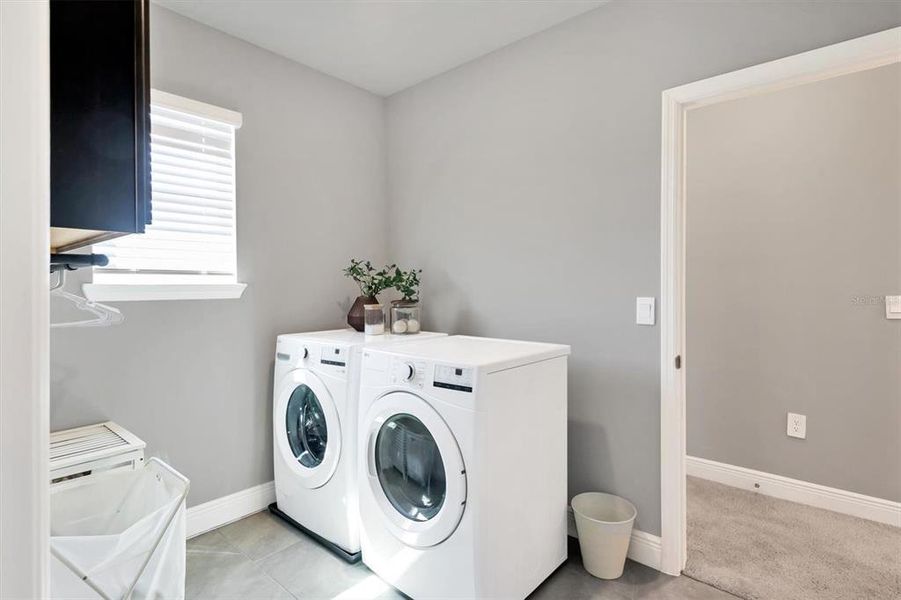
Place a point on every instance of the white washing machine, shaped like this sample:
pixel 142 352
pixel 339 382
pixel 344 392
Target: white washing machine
pixel 316 395
pixel 463 466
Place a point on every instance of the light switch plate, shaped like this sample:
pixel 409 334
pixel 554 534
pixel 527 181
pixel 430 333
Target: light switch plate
pixel 645 312
pixel 893 307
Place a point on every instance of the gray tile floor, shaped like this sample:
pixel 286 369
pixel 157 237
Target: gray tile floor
pixel 261 557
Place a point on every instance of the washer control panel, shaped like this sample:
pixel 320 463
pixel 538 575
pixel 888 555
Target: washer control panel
pixel 410 372
pixel 335 356
pixel 450 377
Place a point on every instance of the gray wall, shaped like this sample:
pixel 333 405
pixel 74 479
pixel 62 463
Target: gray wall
pixel 193 378
pixel 527 185
pixel 794 237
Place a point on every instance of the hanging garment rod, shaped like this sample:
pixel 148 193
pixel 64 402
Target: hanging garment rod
pixel 70 262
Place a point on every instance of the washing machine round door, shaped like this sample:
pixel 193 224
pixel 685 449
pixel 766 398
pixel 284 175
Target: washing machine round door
pixel 307 430
pixel 415 469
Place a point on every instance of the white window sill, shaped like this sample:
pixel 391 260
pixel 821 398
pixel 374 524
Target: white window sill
pixel 106 292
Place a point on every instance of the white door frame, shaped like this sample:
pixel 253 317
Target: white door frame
pixel 863 53
pixel 24 298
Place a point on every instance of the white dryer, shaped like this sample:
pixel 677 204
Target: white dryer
pixel 463 490
pixel 316 395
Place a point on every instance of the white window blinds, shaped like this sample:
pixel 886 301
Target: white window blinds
pixel 191 238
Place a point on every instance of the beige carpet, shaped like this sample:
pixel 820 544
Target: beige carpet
pixel 761 548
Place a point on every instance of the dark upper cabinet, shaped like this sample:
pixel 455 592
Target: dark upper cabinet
pixel 99 120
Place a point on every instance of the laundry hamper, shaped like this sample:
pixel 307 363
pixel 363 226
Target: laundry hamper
pixel 120 535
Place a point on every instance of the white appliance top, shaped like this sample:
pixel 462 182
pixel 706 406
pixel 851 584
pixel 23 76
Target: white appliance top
pixel 493 354
pixel 352 337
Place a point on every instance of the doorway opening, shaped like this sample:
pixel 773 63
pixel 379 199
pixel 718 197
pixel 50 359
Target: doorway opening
pixel 717 483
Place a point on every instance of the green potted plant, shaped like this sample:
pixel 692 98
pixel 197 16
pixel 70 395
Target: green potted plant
pixel 407 283
pixel 371 282
pixel 405 313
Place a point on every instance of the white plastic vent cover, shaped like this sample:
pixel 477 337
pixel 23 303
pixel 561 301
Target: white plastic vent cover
pixel 192 235
pixel 99 447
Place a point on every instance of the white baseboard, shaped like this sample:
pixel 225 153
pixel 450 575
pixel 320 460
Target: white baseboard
pixel 644 547
pixel 803 492
pixel 227 509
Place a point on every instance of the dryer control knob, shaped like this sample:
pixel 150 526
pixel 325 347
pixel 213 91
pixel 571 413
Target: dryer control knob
pixel 305 353
pixel 409 371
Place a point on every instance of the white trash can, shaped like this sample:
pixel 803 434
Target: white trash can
pixel 604 523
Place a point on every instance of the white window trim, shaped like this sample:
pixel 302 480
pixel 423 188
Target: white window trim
pixel 217 113
pixel 133 292
pixel 112 292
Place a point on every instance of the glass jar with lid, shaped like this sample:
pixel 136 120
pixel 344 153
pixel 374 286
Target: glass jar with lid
pixel 405 319
pixel 374 319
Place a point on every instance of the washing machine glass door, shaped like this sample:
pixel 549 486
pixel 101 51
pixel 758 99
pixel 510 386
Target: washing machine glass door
pixel 415 469
pixel 307 430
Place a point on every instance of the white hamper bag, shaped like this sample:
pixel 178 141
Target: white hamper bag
pixel 120 535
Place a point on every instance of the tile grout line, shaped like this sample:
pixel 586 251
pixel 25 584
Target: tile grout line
pixel 276 582
pixel 255 562
pixel 713 586
pixel 274 552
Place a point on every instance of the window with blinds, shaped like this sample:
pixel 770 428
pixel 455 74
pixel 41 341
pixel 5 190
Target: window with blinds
pixel 192 236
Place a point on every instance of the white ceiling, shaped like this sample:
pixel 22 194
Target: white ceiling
pixel 381 46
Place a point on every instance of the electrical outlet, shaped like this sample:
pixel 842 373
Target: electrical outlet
pixel 797 426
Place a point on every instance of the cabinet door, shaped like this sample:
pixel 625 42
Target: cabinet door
pixel 99 111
